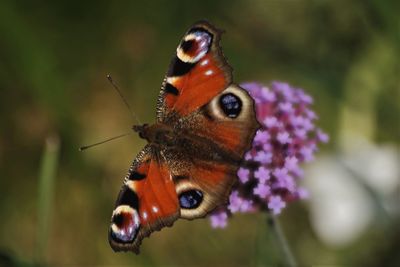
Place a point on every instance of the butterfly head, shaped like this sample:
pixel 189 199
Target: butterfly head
pixel 141 130
pixel 156 134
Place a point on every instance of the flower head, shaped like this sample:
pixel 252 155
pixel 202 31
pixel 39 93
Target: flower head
pixel 271 168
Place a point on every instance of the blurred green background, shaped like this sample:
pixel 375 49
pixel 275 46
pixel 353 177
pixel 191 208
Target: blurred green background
pixel 54 56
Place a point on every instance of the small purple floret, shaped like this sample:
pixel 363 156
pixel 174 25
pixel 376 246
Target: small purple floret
pixel 219 219
pixel 276 204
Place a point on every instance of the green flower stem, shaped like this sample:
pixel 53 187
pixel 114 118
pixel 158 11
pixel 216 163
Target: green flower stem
pixel 48 168
pixel 281 241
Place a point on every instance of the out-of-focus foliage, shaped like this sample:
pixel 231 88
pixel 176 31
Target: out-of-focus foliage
pixel 54 56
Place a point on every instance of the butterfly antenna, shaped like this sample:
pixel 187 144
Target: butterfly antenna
pixel 104 141
pixel 123 98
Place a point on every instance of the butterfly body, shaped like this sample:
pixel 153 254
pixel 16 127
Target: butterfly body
pixel 205 123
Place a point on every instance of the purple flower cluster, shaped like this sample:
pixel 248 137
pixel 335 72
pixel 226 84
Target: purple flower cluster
pixel 269 174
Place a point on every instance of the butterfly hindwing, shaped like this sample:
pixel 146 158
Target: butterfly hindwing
pixel 146 203
pixel 212 142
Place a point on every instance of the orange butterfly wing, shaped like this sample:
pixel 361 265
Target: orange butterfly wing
pixel 147 202
pixel 197 73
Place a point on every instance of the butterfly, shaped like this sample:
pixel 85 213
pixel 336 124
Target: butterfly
pixel 204 125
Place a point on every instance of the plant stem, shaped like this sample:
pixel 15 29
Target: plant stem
pixel 281 240
pixel 47 174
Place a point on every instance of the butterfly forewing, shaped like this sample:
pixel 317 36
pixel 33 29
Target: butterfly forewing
pixel 146 203
pixel 196 74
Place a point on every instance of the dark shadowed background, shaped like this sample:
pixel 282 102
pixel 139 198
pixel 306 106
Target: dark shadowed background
pixel 54 56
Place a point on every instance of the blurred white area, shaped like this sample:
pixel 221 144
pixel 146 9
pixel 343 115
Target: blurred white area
pixel 378 165
pixel 351 189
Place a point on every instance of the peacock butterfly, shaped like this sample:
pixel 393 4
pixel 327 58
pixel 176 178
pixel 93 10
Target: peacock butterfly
pixel 204 125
